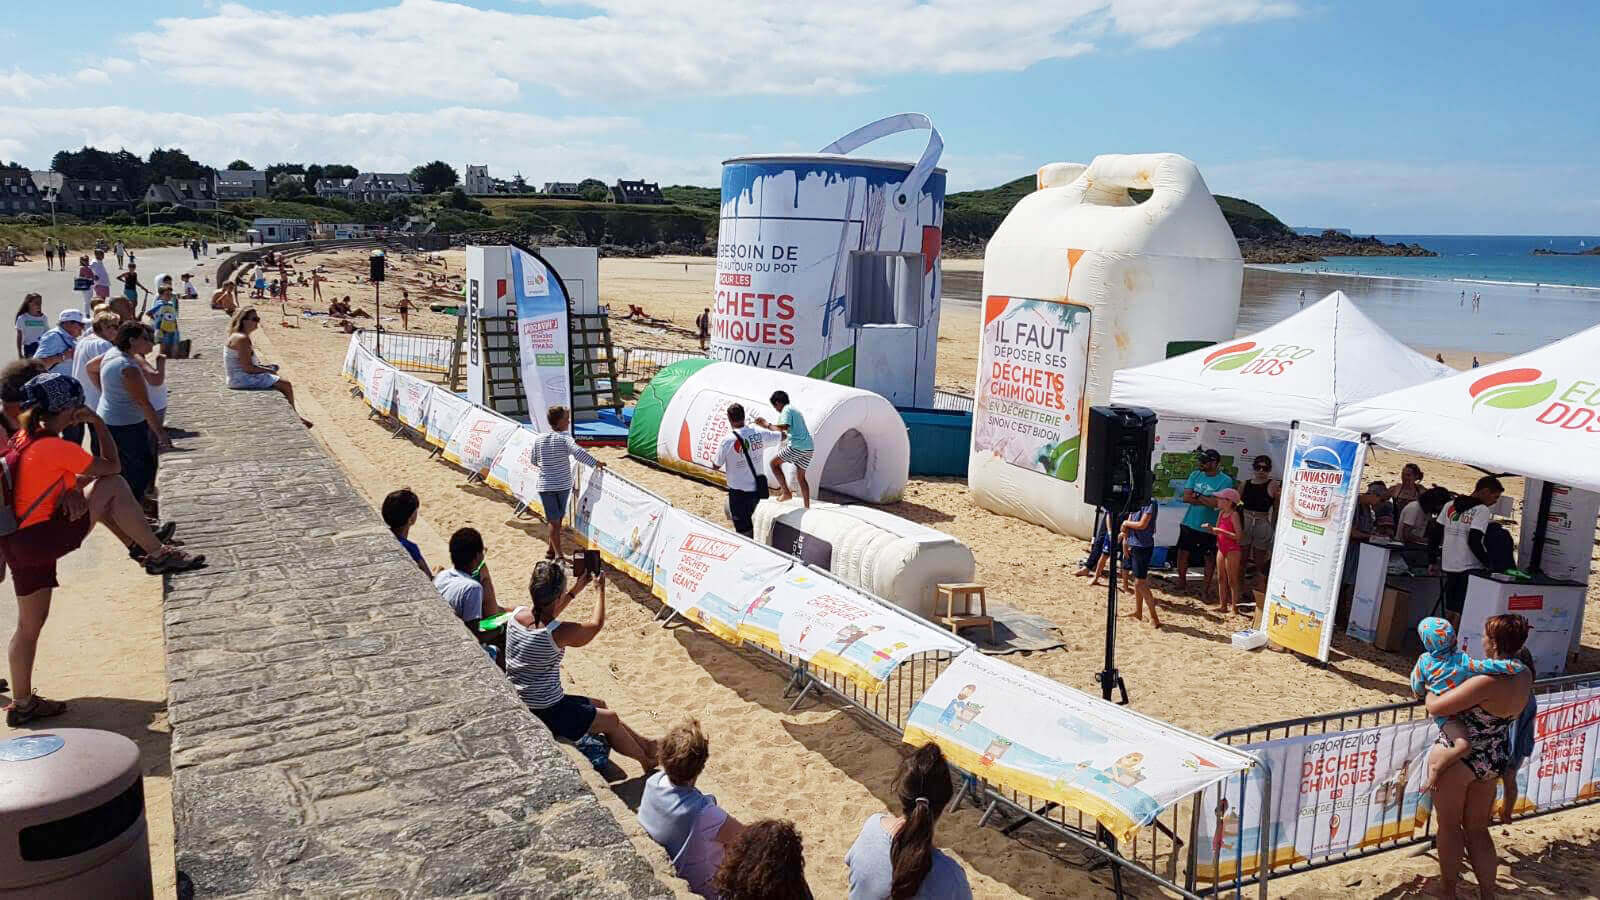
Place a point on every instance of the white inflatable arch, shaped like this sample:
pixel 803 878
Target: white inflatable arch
pixel 861 445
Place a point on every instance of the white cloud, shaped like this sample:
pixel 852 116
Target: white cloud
pixel 454 52
pixel 19 84
pixel 117 65
pixel 92 76
pixel 542 148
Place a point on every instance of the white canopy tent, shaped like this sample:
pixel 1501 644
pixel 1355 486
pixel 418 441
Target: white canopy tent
pixel 1537 414
pixel 1307 367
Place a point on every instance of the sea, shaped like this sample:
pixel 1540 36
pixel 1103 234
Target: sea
pixel 1525 300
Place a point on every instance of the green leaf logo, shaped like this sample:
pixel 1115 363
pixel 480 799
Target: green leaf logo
pixel 1235 361
pixel 1516 396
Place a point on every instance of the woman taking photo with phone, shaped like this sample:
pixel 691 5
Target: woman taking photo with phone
pixel 536 641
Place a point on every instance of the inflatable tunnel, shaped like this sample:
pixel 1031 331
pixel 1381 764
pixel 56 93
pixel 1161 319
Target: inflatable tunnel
pixel 894 558
pixel 862 448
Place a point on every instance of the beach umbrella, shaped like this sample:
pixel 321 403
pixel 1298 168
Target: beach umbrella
pixel 1537 414
pixel 1305 368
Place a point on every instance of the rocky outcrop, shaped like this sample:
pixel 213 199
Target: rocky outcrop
pixel 1592 251
pixel 1298 248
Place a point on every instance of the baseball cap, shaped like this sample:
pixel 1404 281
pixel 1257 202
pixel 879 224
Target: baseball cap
pixel 52 392
pixel 71 315
pixel 1228 494
pixel 1210 456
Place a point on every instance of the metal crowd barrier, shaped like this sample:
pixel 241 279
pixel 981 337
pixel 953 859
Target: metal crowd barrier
pixel 634 362
pixel 952 400
pixel 1356 720
pixel 412 351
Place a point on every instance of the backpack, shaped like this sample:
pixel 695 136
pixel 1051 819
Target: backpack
pixel 10 463
pixel 1499 547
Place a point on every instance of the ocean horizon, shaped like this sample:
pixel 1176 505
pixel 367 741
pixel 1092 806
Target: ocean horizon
pixel 1500 259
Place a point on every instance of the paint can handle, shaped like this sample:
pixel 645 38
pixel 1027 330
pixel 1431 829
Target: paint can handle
pixel 911 188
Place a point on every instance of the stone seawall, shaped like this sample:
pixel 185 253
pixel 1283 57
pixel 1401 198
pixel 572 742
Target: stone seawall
pixel 335 731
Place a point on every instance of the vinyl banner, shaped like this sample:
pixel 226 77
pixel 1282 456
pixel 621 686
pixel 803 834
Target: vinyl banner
pixel 1331 794
pixel 351 354
pixel 379 388
pixel 1314 519
pixel 411 397
pixel 1565 766
pixel 618 519
pixel 837 628
pixel 513 470
pixel 1022 731
pixel 541 336
pixel 477 439
pixel 445 412
pixel 1568 530
pixel 710 575
pixel 1029 409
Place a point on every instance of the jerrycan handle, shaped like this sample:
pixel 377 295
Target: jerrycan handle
pixel 1112 174
pixel 866 134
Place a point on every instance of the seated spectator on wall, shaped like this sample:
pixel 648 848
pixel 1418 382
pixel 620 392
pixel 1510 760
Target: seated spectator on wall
pixel 767 862
pixel 400 513
pixel 466 585
pixel 895 857
pixel 245 371
pixel 686 822
pixel 536 642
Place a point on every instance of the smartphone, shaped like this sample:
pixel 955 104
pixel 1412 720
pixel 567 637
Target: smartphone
pixel 590 562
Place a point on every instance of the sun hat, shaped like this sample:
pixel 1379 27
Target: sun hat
pixel 71 315
pixel 1228 494
pixel 51 393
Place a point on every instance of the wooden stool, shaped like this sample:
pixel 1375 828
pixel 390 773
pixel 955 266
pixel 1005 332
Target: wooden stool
pixel 966 617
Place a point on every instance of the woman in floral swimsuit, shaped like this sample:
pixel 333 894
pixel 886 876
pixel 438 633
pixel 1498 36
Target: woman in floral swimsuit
pixel 1486 706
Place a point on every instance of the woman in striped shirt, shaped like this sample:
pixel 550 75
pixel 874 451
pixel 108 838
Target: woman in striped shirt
pixel 536 640
pixel 552 453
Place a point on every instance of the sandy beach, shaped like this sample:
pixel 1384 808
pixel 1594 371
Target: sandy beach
pixel 820 766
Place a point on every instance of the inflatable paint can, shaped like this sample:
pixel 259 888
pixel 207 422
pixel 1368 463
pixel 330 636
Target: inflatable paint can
pixel 1081 280
pixel 828 266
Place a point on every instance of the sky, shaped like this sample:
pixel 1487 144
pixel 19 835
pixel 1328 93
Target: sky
pixel 1394 118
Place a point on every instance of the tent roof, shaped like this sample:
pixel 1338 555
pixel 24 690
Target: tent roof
pixel 1307 367
pixel 1537 414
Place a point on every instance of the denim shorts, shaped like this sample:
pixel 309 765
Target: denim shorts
pixel 555 504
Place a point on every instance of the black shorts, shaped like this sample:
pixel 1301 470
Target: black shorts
pixel 137 451
pixel 1455 590
pixel 1139 561
pixel 1196 542
pixel 570 718
pixel 741 509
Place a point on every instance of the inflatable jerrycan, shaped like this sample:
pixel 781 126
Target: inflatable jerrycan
pixel 1081 280
pixel 828 264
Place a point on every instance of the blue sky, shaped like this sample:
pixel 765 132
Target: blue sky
pixel 1394 118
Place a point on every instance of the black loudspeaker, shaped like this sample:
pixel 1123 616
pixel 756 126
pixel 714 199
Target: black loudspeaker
pixel 377 265
pixel 1121 440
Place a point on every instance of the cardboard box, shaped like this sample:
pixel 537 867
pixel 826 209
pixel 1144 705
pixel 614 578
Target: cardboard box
pixel 1394 620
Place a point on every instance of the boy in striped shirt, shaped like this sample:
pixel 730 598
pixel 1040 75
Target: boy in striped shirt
pixel 552 453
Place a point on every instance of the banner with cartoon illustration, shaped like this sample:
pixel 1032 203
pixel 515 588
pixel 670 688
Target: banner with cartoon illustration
pixel 1019 730
pixel 445 412
pixel 477 439
pixel 1331 794
pixel 620 520
pixel 1565 765
pixel 352 359
pixel 1314 519
pixel 411 396
pixel 378 386
pixel 1034 359
pixel 1178 442
pixel 513 470
pixel 838 629
pixel 710 575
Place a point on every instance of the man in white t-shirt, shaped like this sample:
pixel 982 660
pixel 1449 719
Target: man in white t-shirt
pixel 1465 519
pixel 739 457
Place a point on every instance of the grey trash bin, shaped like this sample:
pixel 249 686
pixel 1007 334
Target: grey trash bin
pixel 72 816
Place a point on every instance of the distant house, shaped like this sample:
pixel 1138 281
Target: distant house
pixel 561 188
pixel 82 197
pixel 194 193
pixel 19 194
pixel 276 231
pixel 478 181
pixel 381 187
pixel 288 178
pixel 637 192
pixel 241 185
pixel 336 188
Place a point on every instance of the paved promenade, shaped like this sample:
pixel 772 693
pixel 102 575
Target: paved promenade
pixel 336 732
